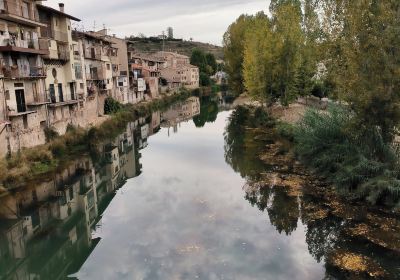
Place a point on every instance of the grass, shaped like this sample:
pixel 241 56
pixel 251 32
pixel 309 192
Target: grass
pixel 356 160
pixel 42 161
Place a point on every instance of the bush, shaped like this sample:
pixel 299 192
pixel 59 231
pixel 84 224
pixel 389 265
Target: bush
pixel 50 133
pixel 285 130
pixel 357 161
pixel 111 106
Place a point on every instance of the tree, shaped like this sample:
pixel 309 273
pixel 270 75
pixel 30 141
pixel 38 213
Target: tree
pixel 259 60
pixel 273 54
pixel 363 47
pixel 233 45
pixel 198 58
pixel 212 63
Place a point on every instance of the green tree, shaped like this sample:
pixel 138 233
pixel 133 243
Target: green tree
pixel 198 58
pixel 260 60
pixel 234 44
pixel 363 47
pixel 212 63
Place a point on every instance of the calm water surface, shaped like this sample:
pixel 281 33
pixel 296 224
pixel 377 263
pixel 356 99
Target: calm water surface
pixel 161 202
pixel 186 217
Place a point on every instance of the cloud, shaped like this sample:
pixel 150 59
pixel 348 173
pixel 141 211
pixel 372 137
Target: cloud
pixel 205 20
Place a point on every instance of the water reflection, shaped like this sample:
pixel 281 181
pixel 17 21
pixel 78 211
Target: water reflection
pixel 351 240
pixel 46 228
pixel 184 217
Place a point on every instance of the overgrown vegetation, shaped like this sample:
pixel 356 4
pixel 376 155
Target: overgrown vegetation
pixel 360 163
pixel 345 50
pixel 207 65
pixel 42 161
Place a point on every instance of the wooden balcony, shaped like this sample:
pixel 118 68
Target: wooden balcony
pixel 20 13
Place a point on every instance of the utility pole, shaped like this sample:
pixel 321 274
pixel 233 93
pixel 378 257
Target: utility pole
pixel 163 42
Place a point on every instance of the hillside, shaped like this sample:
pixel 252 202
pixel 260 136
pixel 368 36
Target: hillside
pixel 183 47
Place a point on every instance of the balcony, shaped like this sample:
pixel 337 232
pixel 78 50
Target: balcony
pixel 22 46
pixel 92 53
pixel 13 72
pixel 47 32
pixel 96 74
pixel 22 13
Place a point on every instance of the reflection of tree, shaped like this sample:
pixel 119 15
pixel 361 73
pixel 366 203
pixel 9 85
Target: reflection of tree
pixel 322 230
pixel 241 145
pixel 208 112
pixel 283 211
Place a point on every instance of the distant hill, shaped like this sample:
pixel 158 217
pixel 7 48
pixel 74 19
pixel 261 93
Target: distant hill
pixel 155 44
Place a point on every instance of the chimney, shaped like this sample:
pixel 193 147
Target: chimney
pixel 61 5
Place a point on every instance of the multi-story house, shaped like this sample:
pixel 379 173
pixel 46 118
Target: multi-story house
pixel 61 85
pixel 97 52
pixel 150 68
pixel 120 67
pixel 22 77
pixel 178 71
pixel 137 83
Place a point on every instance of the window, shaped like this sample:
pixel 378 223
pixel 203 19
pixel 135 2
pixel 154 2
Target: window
pixel 81 85
pixel 108 66
pixel 7 95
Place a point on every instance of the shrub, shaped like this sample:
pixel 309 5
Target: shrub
pixel 50 133
pixel 356 160
pixel 111 106
pixel 285 130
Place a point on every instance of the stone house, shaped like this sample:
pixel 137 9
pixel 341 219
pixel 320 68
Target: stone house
pixel 61 86
pixel 22 77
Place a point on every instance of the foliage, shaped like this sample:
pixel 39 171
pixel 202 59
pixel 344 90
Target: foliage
pixel 234 45
pixel 207 65
pixel 50 133
pixel 205 80
pixel 111 106
pixel 361 164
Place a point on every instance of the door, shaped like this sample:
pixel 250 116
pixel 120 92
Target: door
pixel 20 97
pixel 60 93
pixel 52 92
pixel 72 89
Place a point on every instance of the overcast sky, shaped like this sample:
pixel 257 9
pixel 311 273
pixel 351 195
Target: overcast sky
pixel 203 20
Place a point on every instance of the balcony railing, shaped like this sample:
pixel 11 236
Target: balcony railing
pixel 47 32
pixel 21 9
pixel 16 42
pixel 92 53
pixel 14 72
pixel 95 74
pixel 63 54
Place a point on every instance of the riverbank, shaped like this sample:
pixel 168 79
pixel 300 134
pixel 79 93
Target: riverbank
pixel 40 162
pixel 344 233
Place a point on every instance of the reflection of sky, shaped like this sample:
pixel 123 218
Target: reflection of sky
pixel 186 217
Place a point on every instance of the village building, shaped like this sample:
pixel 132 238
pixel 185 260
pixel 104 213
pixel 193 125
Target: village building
pixel 96 53
pixel 120 68
pixel 22 76
pixel 149 67
pixel 178 71
pixel 137 83
pixel 64 108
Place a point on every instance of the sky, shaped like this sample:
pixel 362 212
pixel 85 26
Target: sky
pixel 203 20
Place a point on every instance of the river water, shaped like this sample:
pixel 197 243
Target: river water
pixel 163 203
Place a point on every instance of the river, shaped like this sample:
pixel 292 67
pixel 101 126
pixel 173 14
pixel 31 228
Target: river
pixel 162 202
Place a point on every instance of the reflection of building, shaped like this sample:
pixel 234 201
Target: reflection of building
pixel 46 229
pixel 181 112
